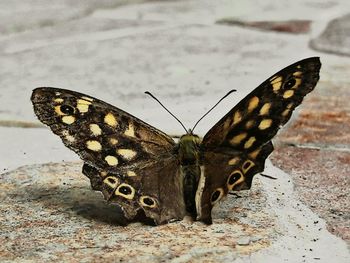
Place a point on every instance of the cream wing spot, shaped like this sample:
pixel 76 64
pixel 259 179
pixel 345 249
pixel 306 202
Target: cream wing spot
pixel 264 124
pixel 288 109
pixel 127 154
pixel 297 83
pixel 233 161
pixel 288 93
pixel 130 131
pixel 111 181
pixel 276 83
pixel 58 100
pixel 113 141
pixel 68 137
pixel 87 98
pixel 83 105
pixel 253 103
pixel 131 173
pixel 249 142
pixel 110 120
pixel 111 160
pixel 254 154
pixel 249 124
pixel 95 129
pixel 58 110
pixel 237 117
pixel 265 109
pixel 238 138
pixel 148 201
pixel 103 174
pixel 297 74
pixel 93 145
pixel 247 165
pixel 68 119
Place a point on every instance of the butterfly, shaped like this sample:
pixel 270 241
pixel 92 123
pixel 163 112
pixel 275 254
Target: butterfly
pixel 142 169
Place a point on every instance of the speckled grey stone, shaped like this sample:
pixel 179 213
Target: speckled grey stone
pixel 335 38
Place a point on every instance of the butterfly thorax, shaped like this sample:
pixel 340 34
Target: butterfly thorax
pixel 188 149
pixel 188 152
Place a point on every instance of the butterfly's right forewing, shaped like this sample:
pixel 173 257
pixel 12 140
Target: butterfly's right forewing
pixel 258 117
pixel 241 141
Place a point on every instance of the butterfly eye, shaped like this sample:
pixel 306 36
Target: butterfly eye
pixel 216 195
pixel 66 109
pixel 290 83
pixel 148 201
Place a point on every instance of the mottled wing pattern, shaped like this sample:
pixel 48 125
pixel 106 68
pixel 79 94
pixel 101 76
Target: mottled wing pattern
pixel 103 135
pixel 155 188
pixel 258 117
pixel 132 163
pixel 242 137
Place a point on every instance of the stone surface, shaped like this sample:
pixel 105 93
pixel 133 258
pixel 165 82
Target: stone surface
pixel 174 49
pixel 318 185
pixel 292 26
pixel 335 38
pixel 49 213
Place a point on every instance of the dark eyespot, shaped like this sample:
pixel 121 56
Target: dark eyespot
pixel 66 109
pixel 215 196
pixel 125 190
pixel 290 83
pixel 234 178
pixel 148 201
pixel 111 180
pixel 246 165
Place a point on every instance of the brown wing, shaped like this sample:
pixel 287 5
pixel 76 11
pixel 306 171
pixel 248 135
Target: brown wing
pixel 258 117
pixel 155 188
pixel 240 142
pixel 236 171
pixel 103 135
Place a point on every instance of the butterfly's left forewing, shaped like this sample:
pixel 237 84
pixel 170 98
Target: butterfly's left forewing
pixel 240 142
pixel 103 135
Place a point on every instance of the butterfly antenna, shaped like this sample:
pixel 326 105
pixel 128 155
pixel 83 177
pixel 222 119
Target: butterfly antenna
pixel 228 93
pixel 150 94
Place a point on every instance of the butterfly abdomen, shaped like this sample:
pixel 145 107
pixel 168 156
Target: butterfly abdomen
pixel 188 152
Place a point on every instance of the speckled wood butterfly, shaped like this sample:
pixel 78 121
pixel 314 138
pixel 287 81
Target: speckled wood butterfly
pixel 141 168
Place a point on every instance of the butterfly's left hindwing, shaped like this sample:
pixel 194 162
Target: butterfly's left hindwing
pixel 155 188
pixel 240 142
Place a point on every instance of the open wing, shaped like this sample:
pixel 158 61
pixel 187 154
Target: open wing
pixel 103 135
pixel 131 162
pixel 155 188
pixel 242 136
